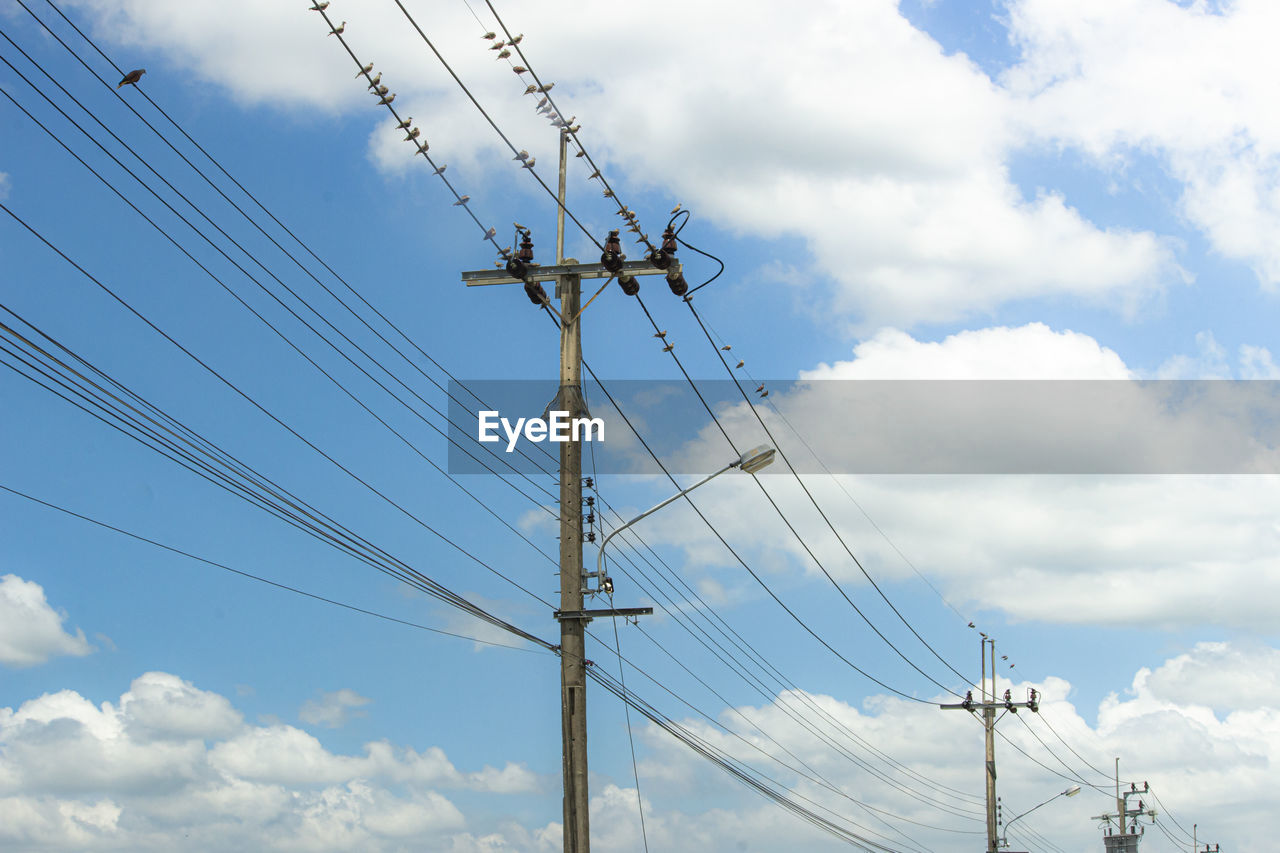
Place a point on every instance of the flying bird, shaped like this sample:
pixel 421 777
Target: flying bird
pixel 523 155
pixel 463 200
pixel 386 99
pixel 132 77
pixel 367 69
pixel 341 28
pixel 320 7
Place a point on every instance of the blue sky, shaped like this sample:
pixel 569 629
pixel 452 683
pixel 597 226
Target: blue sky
pixel 925 190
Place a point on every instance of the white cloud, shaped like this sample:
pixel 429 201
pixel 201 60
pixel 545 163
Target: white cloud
pixel 885 155
pixel 1033 351
pixel 332 710
pixel 1187 83
pixel 171 766
pixel 31 630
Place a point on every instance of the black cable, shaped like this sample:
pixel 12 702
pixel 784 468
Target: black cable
pixel 251 576
pixel 554 195
pixel 294 294
pixel 258 406
pixel 688 245
pixel 795 533
pixel 825 518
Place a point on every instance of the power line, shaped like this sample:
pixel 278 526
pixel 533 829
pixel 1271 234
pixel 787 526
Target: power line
pixel 251 576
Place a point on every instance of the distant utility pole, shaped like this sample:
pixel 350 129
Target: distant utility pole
pixel 989 705
pixel 1122 841
pixel 568 274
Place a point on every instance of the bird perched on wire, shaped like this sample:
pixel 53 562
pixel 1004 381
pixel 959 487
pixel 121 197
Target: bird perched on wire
pixel 440 169
pixel 463 200
pixel 519 69
pixel 489 35
pixel 386 99
pixel 545 88
pixel 379 90
pixel 376 80
pixel 341 28
pixel 498 45
pixel 503 55
pixel 593 175
pixel 661 334
pixel 320 7
pixel 676 209
pixel 668 347
pixel 523 155
pixel 761 388
pixel 530 89
pixel 726 347
pixel 132 77
pixel 765 394
pixel 739 364
pixel 413 134
pixel 404 125
pixel 490 234
pixel 368 68
pixel 528 164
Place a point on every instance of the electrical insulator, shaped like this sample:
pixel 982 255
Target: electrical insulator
pixel 669 242
pixel 676 282
pixel 607 586
pixel 518 267
pixel 588 482
pixel 612 256
pixel 591 501
pixel 591 518
pixel 533 289
pixel 968 701
pixel 629 284
pixel 659 259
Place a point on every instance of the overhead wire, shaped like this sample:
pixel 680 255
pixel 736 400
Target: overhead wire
pixel 790 526
pixel 293 293
pixel 250 576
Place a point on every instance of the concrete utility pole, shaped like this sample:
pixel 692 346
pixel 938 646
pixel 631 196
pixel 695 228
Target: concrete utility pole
pixel 568 274
pixel 988 705
pixel 1122 841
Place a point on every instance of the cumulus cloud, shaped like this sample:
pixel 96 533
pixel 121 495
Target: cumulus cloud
pixel 884 154
pixel 332 710
pixel 30 629
pixel 171 766
pixel 1186 82
pixel 1167 548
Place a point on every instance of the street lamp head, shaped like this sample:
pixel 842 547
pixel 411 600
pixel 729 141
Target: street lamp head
pixel 755 458
pixel 1072 791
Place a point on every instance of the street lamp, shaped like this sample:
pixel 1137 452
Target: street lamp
pixel 1070 792
pixel 750 462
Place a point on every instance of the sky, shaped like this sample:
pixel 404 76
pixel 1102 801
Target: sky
pixel 918 190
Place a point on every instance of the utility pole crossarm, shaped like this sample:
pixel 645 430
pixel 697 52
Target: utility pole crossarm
pixel 551 272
